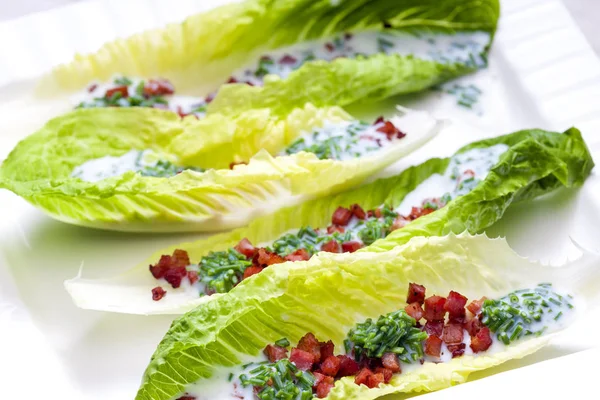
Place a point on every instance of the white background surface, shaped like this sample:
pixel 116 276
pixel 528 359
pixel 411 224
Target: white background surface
pixel 547 76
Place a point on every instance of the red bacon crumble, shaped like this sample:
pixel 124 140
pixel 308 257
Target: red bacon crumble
pixel 327 349
pixel 481 341
pixel 417 212
pixel 287 60
pixel 319 377
pixel 434 328
pixel 387 374
pixel 264 258
pixel 475 306
pixel 453 334
pixel 390 130
pixel 171 268
pixel 457 350
pixel 92 87
pixel 302 359
pixel 390 361
pixel 341 216
pixel 330 366
pixel 335 228
pixel 332 247
pixel 192 276
pixel 187 397
pixel 433 346
pixel 310 344
pixel 414 310
pixel 363 376
pixel 158 87
pixel 246 248
pixel 298 255
pixel 455 303
pixel 473 326
pixel 434 308
pixel 416 293
pixel 323 389
pixel 348 366
pixel 119 89
pixel 351 246
pixel 275 353
pixel 252 270
pixel 330 47
pixel 399 223
pixel 158 293
pixel 375 380
pixel 358 211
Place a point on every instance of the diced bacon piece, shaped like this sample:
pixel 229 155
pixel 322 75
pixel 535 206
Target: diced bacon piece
pixel 119 89
pixel 399 223
pixel 252 270
pixel 329 46
pixel 310 344
pixel 414 310
pixel 460 318
pixel 433 346
pixel 335 228
pixel 323 389
pixel 319 377
pixel 434 328
pixel 210 97
pixel 302 359
pixel 374 380
pixel 158 293
pixel 348 366
pixel 482 340
pixel 158 87
pixel 416 293
pixel 298 255
pixel 180 258
pixel 453 334
pixel 469 173
pixel 192 276
pixel 457 350
pixel 351 246
pixel 288 60
pixel 264 258
pixel 92 87
pixel 390 130
pixel 245 247
pixel 378 213
pixel 379 120
pixel 434 308
pixel 390 361
pixel 387 374
pixel 475 306
pixel 331 366
pixel 275 353
pixel 455 303
pixel 358 211
pixel 417 212
pixel 327 349
pixel 187 397
pixel 341 216
pixel 363 376
pixel 232 80
pixel 473 326
pixel 332 247
pixel 175 275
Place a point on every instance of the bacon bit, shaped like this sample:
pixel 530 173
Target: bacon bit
pixel 363 376
pixel 275 353
pixel 246 248
pixel 434 308
pixel 119 89
pixel 347 35
pixel 351 247
pixel 473 326
pixel 387 374
pixel 330 366
pixel 390 361
pixel 399 223
pixel 458 318
pixel 375 380
pixel 310 344
pixel 414 310
pixel 475 306
pixel 232 80
pixel 469 173
pixel 288 60
pixel 92 87
pixel 264 258
pixel 390 130
pixel 417 212
pixel 330 47
pixel 434 328
pixel 416 293
pixel 433 346
pixel 187 397
pixel 175 275
pixel 379 120
pixel 348 366
pixel 158 293
pixel 251 270
pixel 298 255
pixel 453 334
pixel 335 228
pixel 332 247
pixel 323 389
pixel 319 377
pixel 192 276
pixel 358 211
pixel 327 349
pixel 341 216
pixel 302 359
pixel 455 303
pixel 482 340
pixel 233 164
pixel 457 350
pixel 158 87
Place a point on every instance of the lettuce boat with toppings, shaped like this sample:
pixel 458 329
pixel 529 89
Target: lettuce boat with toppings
pixel 467 192
pixel 139 170
pixel 292 52
pixel 342 326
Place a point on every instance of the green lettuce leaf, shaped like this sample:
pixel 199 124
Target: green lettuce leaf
pixel 39 168
pixel 206 48
pixel 536 163
pixel 330 293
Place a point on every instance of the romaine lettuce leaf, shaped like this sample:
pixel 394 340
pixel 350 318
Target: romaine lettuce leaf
pixel 328 294
pixel 203 51
pixel 536 163
pixel 39 168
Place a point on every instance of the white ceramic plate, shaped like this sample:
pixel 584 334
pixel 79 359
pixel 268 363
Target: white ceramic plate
pixel 542 74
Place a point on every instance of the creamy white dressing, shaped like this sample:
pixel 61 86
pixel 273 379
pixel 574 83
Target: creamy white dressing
pixel 109 166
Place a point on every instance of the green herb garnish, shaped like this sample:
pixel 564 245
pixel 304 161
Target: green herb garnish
pixel 280 381
pixel 220 271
